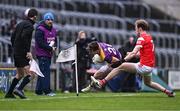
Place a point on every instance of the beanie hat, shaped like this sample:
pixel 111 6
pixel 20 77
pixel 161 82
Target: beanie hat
pixel 48 15
pixel 31 12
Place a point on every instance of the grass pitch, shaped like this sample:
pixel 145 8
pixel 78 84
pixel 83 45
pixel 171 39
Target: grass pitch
pixel 93 102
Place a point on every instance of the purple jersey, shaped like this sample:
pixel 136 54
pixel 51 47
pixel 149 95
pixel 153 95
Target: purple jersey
pixel 107 52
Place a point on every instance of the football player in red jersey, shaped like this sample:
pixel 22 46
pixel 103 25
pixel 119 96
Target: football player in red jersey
pixel 145 49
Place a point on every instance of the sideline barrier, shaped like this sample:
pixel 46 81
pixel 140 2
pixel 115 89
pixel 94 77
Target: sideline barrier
pixel 6 76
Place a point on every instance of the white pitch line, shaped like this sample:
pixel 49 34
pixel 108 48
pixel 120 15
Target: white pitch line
pixel 67 97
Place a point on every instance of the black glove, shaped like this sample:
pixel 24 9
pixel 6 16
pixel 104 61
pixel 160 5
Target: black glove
pixel 118 63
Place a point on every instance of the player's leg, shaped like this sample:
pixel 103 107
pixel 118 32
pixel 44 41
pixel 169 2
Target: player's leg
pixel 129 67
pixel 88 88
pixel 146 72
pixel 150 83
pixel 100 74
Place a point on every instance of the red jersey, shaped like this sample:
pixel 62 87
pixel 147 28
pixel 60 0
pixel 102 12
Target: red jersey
pixel 147 56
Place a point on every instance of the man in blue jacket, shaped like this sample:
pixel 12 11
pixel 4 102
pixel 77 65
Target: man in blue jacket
pixel 45 40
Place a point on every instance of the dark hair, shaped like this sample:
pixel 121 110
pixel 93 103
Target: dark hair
pixel 32 12
pixel 93 46
pixel 142 23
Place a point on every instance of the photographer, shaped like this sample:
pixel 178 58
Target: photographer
pixel 83 58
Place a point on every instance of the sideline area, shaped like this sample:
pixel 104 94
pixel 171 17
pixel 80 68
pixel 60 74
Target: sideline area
pixel 93 101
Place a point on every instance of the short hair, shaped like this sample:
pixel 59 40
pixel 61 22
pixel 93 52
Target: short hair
pixel 142 23
pixel 80 32
pixel 93 46
pixel 31 12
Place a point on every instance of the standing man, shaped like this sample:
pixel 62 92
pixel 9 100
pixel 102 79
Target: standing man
pixel 21 43
pixel 45 41
pixel 145 48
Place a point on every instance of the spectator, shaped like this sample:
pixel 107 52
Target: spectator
pixel 12 25
pixel 45 45
pixel 83 58
pixel 3 30
pixel 7 29
pixel 128 47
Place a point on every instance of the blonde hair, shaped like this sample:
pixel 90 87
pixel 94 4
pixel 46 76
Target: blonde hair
pixel 80 32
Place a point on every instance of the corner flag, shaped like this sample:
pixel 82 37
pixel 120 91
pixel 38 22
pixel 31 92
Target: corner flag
pixel 67 55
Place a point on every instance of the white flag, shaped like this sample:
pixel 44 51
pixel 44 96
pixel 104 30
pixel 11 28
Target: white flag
pixel 35 68
pixel 67 55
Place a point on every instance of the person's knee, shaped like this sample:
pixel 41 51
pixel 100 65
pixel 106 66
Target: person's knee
pixel 100 75
pixel 147 80
pixel 147 83
pixel 19 73
pixel 97 75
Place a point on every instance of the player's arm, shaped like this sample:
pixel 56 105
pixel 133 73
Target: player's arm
pixel 114 59
pixel 110 59
pixel 133 53
pixel 116 62
pixel 129 56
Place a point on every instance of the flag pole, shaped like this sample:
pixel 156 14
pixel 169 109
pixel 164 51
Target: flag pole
pixel 77 89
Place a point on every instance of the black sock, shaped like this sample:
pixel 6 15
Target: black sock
pixel 25 81
pixel 13 85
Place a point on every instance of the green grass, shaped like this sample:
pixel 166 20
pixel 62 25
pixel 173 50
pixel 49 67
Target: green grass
pixel 93 101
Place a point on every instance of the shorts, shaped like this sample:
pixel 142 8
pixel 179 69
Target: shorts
pixel 21 61
pixel 143 70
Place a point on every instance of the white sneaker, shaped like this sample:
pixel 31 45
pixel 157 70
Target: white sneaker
pixel 96 82
pixel 51 94
pixel 86 89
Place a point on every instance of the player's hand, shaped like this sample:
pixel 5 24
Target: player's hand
pixel 29 56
